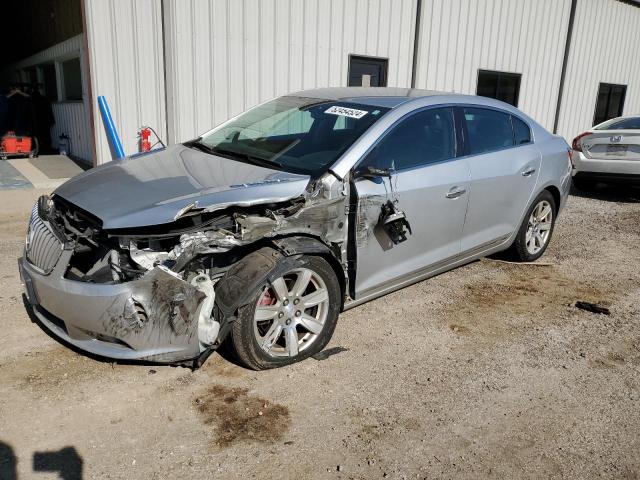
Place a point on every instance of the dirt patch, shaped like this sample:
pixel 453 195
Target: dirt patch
pixel 625 352
pixel 459 329
pixel 240 417
pixel 217 366
pixel 510 292
pixel 179 383
pixel 56 368
pixel 626 223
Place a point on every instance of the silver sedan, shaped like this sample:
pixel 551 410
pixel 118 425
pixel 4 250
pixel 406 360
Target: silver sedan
pixel 260 232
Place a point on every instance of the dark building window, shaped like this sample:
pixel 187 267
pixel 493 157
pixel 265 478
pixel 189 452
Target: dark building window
pixel 72 79
pixel 499 85
pixel 50 82
pixel 367 71
pixel 610 102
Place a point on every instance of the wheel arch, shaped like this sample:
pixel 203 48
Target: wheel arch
pixel 555 193
pixel 300 244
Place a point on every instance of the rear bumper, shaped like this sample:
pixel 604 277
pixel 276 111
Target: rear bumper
pixel 154 318
pixel 612 167
pixel 608 177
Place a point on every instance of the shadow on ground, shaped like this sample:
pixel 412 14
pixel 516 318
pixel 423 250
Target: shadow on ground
pixel 66 462
pixel 610 193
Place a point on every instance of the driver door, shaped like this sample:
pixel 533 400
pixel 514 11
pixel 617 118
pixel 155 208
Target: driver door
pixel 429 184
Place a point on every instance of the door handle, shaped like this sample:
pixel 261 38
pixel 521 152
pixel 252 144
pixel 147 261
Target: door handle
pixel 528 172
pixel 455 192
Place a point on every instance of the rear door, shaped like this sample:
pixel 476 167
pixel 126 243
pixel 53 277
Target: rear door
pixel 504 166
pixel 431 187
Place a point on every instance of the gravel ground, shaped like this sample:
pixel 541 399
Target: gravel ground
pixel 485 371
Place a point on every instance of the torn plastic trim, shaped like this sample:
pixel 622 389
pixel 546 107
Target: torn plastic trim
pixel 321 213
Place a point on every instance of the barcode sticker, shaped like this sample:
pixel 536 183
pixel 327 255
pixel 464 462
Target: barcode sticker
pixel 346 112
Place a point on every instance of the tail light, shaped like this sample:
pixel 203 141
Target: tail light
pixel 576 144
pixel 570 155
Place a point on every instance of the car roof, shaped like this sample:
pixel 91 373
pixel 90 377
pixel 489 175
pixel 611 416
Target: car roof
pixel 392 97
pixel 389 97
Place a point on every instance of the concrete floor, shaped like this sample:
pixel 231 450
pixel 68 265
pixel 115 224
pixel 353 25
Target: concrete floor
pixel 44 172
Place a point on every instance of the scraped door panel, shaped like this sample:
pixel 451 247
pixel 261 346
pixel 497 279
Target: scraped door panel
pixel 504 168
pixel 430 196
pixel 500 192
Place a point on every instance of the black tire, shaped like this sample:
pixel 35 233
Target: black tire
pixel 583 184
pixel 518 250
pixel 241 287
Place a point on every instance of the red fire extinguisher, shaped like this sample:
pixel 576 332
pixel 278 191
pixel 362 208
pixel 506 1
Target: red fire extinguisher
pixel 144 144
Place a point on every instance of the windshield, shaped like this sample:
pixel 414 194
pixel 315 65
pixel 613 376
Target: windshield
pixel 296 134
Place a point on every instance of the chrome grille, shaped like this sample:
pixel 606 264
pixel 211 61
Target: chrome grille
pixel 43 249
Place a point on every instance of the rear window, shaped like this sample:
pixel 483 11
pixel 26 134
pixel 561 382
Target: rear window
pixel 521 131
pixel 488 130
pixel 624 124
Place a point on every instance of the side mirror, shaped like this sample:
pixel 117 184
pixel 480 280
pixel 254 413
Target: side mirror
pixel 372 173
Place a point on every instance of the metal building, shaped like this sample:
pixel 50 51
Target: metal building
pixel 183 66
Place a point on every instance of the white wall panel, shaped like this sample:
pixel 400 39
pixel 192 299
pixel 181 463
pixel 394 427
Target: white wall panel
pixel 457 38
pixel 72 119
pixel 127 67
pixel 604 48
pixel 224 56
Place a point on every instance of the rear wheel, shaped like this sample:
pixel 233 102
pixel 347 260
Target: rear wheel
pixel 290 309
pixel 536 229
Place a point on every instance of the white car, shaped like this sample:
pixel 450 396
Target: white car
pixel 609 153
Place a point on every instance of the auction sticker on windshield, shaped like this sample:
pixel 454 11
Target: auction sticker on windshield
pixel 346 112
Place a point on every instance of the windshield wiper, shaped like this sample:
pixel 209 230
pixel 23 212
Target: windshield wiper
pixel 258 161
pixel 197 144
pixel 233 154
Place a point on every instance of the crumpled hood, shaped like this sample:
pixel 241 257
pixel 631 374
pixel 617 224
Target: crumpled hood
pixel 151 189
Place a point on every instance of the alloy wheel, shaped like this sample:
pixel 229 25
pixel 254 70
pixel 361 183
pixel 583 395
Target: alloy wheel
pixel 539 227
pixel 290 313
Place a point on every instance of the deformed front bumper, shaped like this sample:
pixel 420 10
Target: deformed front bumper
pixel 154 318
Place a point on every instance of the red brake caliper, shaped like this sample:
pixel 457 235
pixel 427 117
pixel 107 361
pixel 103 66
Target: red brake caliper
pixel 267 299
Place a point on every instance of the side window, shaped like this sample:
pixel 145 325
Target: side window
pixel 425 137
pixel 487 130
pixel 521 131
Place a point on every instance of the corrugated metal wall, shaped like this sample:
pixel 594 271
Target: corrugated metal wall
pixel 520 36
pixel 605 48
pixel 72 119
pixel 224 56
pixel 127 67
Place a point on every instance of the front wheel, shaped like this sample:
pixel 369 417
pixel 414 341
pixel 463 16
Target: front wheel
pixel 291 312
pixel 536 229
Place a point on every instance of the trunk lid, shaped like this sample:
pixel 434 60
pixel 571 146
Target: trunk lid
pixel 612 144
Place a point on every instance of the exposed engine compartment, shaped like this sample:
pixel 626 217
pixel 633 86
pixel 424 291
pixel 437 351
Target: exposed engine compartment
pixel 162 279
pixel 194 241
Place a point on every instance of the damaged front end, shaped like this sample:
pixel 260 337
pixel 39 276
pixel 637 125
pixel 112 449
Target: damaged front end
pixel 148 293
